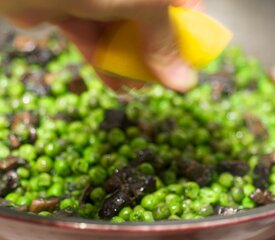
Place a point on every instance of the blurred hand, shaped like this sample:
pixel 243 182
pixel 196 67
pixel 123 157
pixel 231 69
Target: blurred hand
pixel 83 21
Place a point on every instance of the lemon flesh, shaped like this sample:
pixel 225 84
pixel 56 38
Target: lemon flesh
pixel 200 38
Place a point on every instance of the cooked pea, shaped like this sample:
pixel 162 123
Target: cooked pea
pixel 191 190
pixel 44 164
pixel 226 180
pixel 125 213
pixel 150 201
pixel 97 195
pixel 161 212
pixel 98 175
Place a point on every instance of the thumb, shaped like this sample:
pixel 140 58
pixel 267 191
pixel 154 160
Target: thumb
pixel 162 55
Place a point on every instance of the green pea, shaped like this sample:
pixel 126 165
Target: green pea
pixel 176 188
pixel 173 198
pixel 44 180
pixel 97 195
pixel 58 88
pixel 191 190
pixel 125 213
pixel 169 177
pixel 12 197
pixel 272 178
pixel 52 149
pixel 178 138
pixel 62 168
pixel 68 202
pixel 87 210
pixel 24 200
pixel 226 180
pixel 132 132
pixel 147 169
pixel 206 211
pixel 218 188
pixel 98 175
pixel 117 219
pixel 58 179
pixel 148 217
pixel 224 199
pixel 150 201
pixel 33 184
pixel 44 164
pixel 80 166
pixel 125 151
pixel 208 195
pixel 45 214
pixel 23 172
pixel 4 123
pixel 237 194
pixel 175 208
pixel 138 143
pixel 161 194
pixel 247 203
pixel 161 212
pixel 28 152
pixel 137 214
pixel 116 137
pixel 4 151
pixel 56 190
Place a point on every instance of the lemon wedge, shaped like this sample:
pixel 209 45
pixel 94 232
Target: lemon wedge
pixel 201 39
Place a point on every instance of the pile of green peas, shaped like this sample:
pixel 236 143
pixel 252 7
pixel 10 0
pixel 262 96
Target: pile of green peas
pixel 66 156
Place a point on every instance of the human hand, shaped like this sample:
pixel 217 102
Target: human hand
pixel 84 21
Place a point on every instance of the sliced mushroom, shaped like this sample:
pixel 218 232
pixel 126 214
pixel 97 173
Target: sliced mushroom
pixel 44 204
pixel 8 182
pixel 66 212
pixel 236 168
pixel 261 197
pixel 255 126
pixel 11 162
pixel 194 171
pixel 226 211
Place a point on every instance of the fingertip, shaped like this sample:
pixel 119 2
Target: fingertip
pixel 183 80
pixel 119 84
pixel 176 75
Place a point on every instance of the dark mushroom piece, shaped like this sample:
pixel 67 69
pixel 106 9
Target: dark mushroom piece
pixel 29 121
pixel 236 168
pixel 261 176
pixel 261 197
pixel 27 118
pixel 36 83
pixel 115 118
pixel 222 85
pixel 167 126
pixel 147 128
pixel 66 212
pixel 226 211
pixel 149 156
pixel 85 195
pixel 10 163
pixel 112 205
pixel 77 84
pixel 14 141
pixel 44 204
pixel 262 171
pixel 255 126
pixel 8 182
pixel 194 171
pixel 126 187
